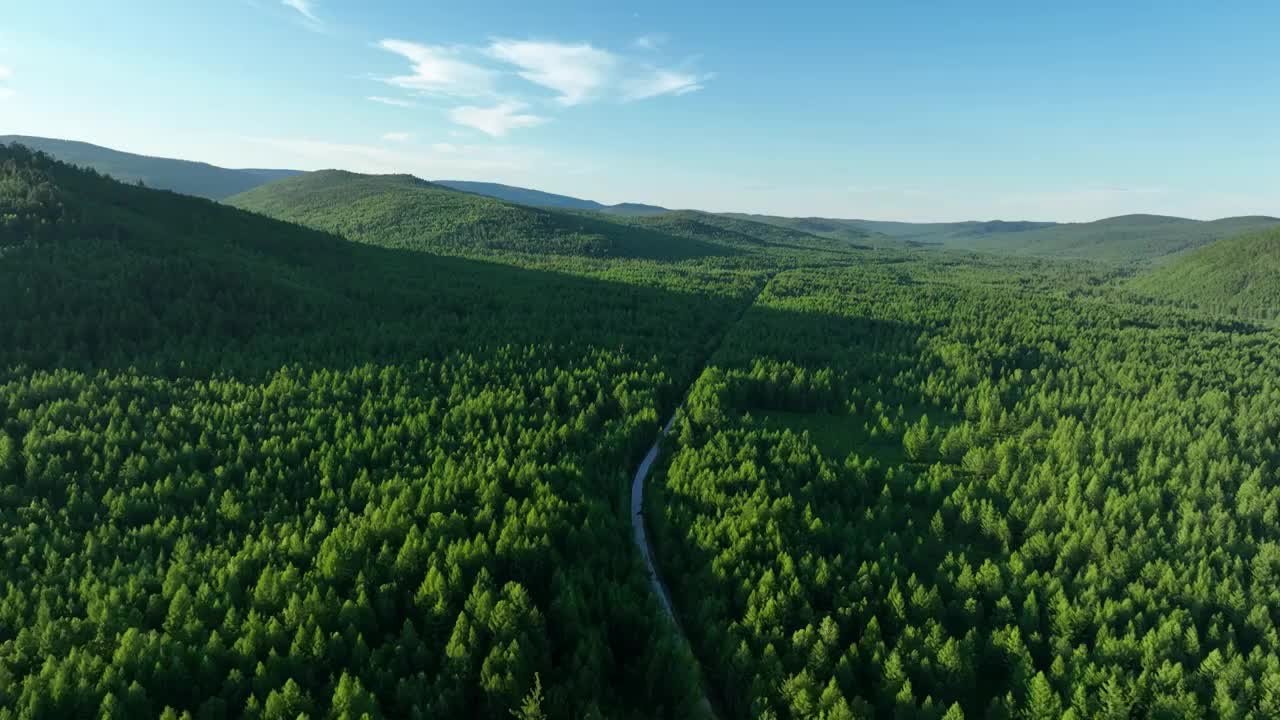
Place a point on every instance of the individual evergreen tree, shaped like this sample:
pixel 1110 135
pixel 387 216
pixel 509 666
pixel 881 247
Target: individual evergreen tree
pixel 531 706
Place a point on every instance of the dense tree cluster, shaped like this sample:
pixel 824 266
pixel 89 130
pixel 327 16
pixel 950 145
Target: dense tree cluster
pixel 1239 275
pixel 1043 505
pixel 248 469
pixel 424 538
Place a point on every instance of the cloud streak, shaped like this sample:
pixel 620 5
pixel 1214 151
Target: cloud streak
pixel 495 121
pixel 438 71
pixel 307 9
pixel 398 137
pixel 394 102
pixel 577 72
pixel 663 82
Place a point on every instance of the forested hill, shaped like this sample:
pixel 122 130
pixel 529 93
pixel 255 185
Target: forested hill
pixel 1128 238
pixel 184 176
pixel 823 227
pixel 1124 239
pixel 405 212
pixel 248 469
pixel 906 232
pixel 1237 275
pixel 124 272
pixel 538 198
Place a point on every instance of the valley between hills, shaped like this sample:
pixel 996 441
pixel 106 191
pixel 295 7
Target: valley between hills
pixel 280 444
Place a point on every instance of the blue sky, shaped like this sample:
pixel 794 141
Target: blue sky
pixel 937 110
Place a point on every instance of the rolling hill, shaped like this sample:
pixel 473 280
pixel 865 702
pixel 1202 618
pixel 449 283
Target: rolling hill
pixel 182 176
pixel 847 230
pixel 1128 238
pixel 177 375
pixel 537 198
pixel 405 212
pixel 913 233
pixel 1239 275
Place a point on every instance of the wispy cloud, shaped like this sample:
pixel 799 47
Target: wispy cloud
pixel 307 9
pixel 650 42
pixel 398 137
pixel 439 71
pixel 5 72
pixel 302 6
pixel 577 72
pixel 663 82
pixel 395 102
pixel 496 121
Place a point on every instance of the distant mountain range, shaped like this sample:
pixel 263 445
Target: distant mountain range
pixel 1124 239
pixel 182 176
pixel 219 183
pixel 401 211
pixel 537 198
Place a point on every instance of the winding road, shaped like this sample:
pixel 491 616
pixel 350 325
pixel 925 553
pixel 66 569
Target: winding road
pixel 641 536
pixel 646 550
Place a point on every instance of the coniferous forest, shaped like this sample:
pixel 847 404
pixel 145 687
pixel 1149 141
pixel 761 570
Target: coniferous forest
pixel 362 447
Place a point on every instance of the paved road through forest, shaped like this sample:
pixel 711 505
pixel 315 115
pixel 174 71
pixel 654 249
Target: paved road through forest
pixel 646 550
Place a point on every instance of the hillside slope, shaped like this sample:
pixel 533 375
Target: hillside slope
pixel 822 227
pixel 183 176
pixel 945 233
pixel 249 444
pixel 895 234
pixel 405 212
pixel 1128 238
pixel 1238 275
pixel 538 198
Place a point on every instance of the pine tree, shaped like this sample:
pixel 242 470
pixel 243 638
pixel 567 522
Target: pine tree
pixel 531 706
pixel 1042 702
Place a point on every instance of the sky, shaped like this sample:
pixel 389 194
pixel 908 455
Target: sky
pixel 921 111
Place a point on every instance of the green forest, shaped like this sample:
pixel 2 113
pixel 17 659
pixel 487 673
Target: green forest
pixel 354 446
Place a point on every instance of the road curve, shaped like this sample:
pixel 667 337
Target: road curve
pixel 646 550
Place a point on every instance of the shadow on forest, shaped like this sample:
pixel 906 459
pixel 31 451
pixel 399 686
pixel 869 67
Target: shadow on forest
pixel 306 299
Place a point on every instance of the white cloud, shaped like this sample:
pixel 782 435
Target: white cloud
pixel 5 72
pixel 497 120
pixel 398 136
pixel 439 71
pixel 577 72
pixel 306 8
pixel 395 102
pixel 663 82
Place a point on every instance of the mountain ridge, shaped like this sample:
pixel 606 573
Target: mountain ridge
pixel 406 212
pixel 539 198
pixel 188 177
